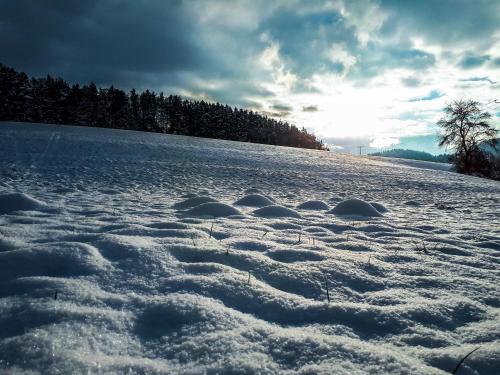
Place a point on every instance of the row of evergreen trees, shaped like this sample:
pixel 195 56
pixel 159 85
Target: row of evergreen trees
pixel 52 100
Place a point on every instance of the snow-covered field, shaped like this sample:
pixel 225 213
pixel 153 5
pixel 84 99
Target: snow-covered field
pixel 108 264
pixel 415 163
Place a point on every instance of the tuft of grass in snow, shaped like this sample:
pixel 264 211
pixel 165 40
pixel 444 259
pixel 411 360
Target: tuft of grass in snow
pixel 423 248
pixel 463 360
pixel 327 288
pixel 300 238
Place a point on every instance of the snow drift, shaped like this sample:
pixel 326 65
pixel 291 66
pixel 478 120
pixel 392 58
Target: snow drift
pixel 276 211
pixel 193 201
pixel 354 207
pixel 10 202
pixel 313 205
pixel 212 209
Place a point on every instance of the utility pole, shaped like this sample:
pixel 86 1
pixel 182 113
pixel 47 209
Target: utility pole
pixel 360 147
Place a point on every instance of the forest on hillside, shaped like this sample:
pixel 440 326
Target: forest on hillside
pixel 53 100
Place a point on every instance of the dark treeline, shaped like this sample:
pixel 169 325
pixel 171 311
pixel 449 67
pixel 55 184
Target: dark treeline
pixel 54 101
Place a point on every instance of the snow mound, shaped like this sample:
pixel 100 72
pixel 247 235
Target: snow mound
pixel 11 202
pixel 214 209
pixel 379 207
pixel 7 244
pixel 63 259
pixel 254 200
pixel 193 202
pixel 354 207
pixel 276 211
pixel 313 205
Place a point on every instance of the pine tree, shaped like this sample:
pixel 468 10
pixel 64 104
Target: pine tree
pixel 135 111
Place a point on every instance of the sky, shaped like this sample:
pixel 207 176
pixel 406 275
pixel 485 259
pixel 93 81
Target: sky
pixel 355 73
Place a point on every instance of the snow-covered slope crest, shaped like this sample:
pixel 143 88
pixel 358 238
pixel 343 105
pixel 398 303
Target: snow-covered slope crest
pixel 254 200
pixel 313 205
pixel 116 256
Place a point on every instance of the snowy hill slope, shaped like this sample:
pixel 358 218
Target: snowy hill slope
pixel 111 261
pixel 415 163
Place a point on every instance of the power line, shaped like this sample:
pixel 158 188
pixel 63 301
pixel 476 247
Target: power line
pixel 494 103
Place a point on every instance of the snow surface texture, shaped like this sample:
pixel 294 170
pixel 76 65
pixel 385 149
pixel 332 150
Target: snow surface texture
pixel 414 163
pixel 101 271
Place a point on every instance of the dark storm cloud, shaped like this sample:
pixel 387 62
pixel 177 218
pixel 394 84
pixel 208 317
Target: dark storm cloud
pixel 143 44
pixel 211 49
pixel 105 41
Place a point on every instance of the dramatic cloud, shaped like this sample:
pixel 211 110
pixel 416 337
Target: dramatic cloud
pixel 102 40
pixel 348 70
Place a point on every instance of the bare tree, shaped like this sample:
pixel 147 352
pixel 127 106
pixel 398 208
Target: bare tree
pixel 465 127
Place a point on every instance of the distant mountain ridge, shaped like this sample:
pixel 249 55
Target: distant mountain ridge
pixel 413 155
